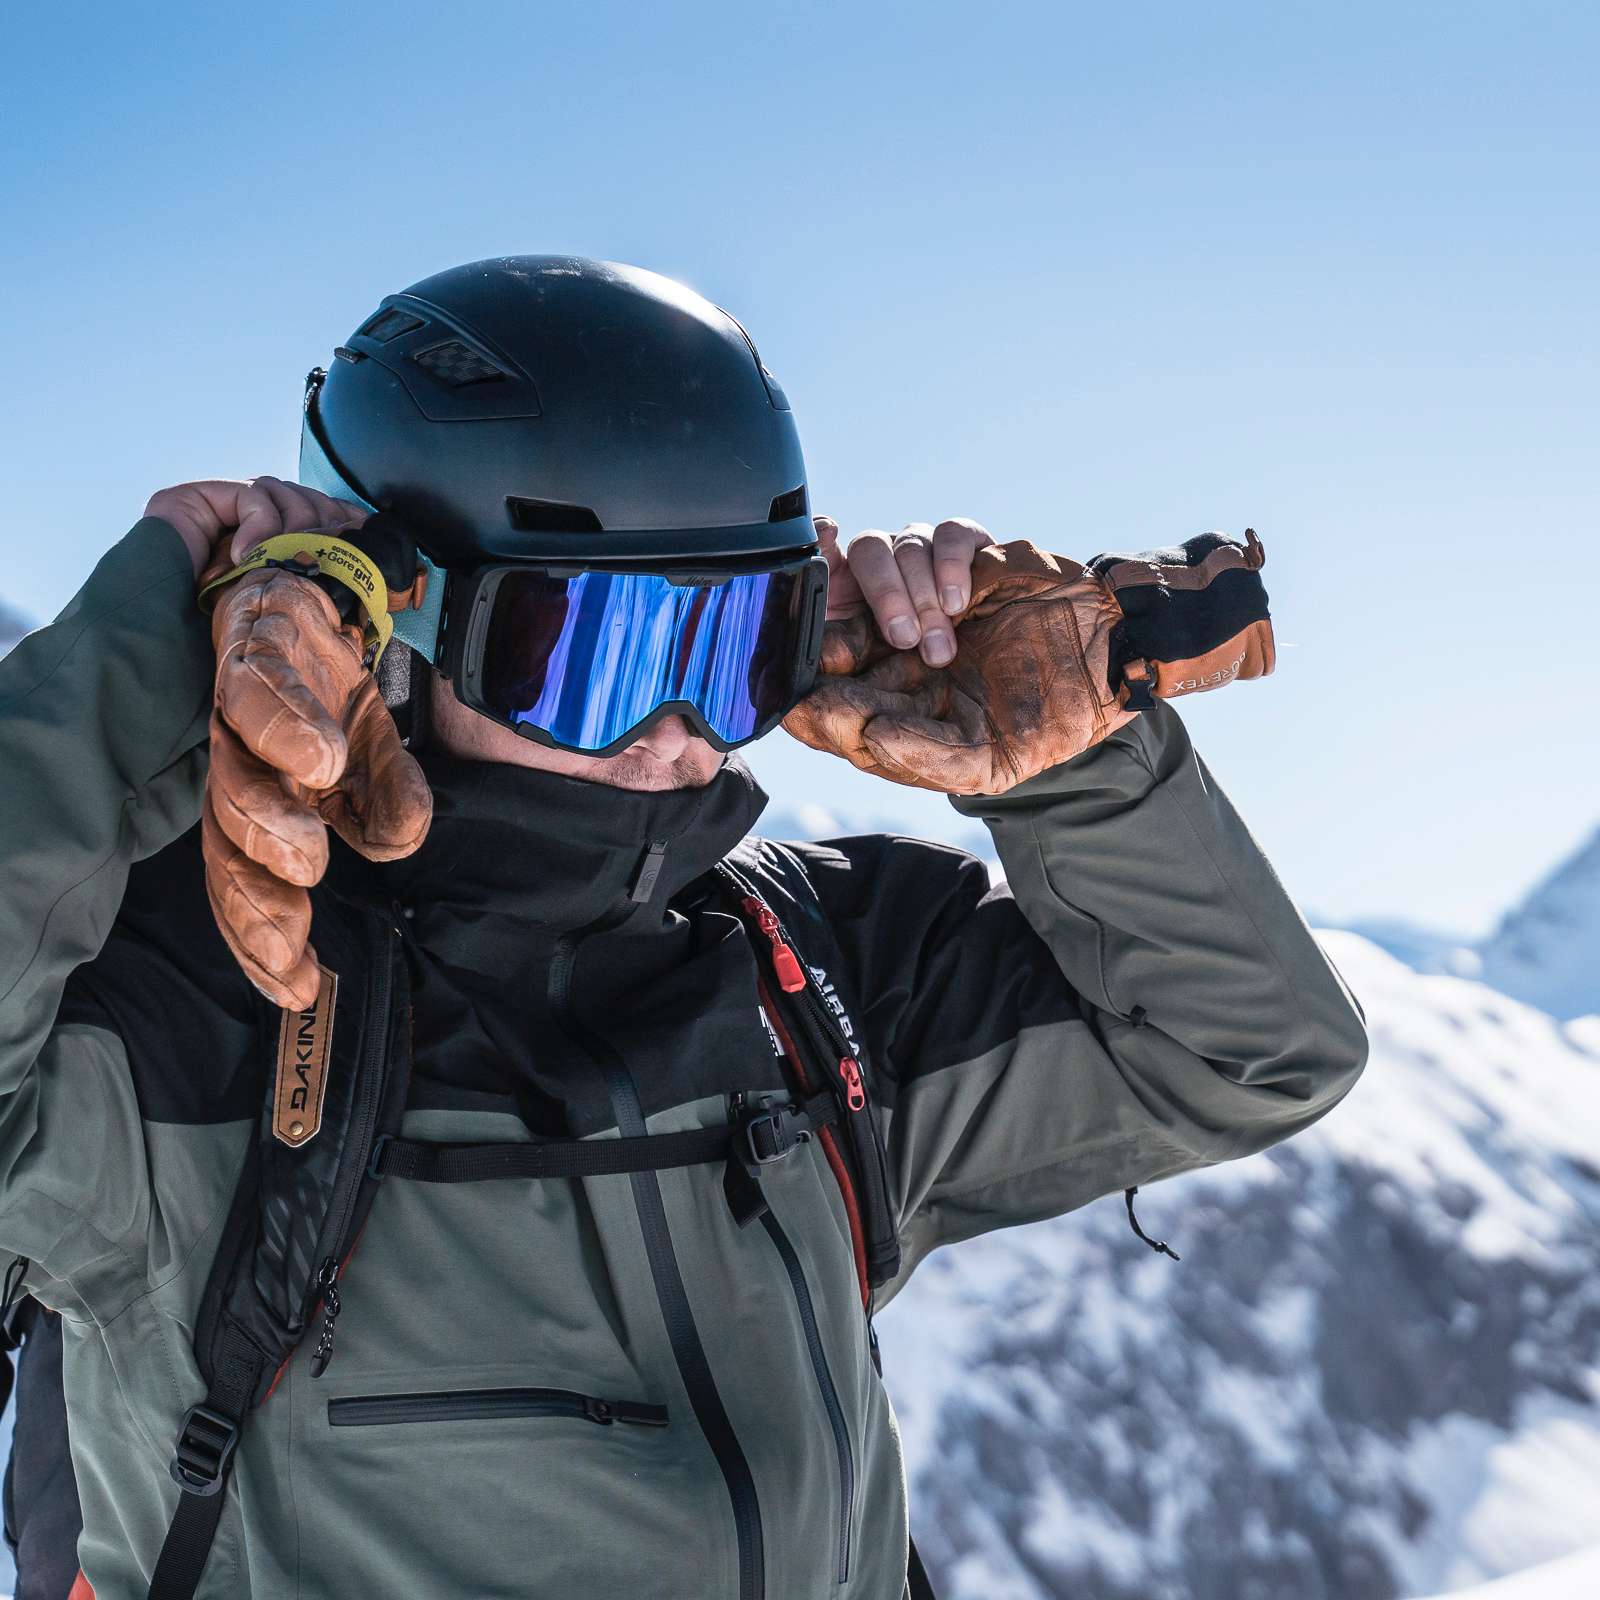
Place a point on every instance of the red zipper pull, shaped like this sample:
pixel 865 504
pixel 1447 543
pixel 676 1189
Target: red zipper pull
pixel 855 1095
pixel 784 961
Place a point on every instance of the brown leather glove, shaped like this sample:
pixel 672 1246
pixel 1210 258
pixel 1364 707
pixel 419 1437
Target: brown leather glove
pixel 300 741
pixel 1045 664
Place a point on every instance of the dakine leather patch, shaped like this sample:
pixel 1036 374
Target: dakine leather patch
pixel 304 1038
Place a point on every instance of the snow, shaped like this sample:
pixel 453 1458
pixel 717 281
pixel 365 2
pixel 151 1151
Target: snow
pixel 1576 1577
pixel 1509 1498
pixel 1377 1370
pixel 1547 950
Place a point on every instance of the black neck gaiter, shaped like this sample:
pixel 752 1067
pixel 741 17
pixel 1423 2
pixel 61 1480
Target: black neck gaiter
pixel 517 861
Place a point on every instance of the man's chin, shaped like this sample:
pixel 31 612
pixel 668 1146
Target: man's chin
pixel 642 771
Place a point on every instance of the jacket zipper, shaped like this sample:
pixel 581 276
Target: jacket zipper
pixel 673 1298
pixel 826 1034
pixel 358 1138
pixel 484 1405
pixel 830 1396
pixel 791 978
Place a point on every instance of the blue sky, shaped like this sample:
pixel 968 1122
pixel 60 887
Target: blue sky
pixel 1099 276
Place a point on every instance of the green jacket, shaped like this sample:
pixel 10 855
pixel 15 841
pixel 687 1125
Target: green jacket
pixel 1140 1000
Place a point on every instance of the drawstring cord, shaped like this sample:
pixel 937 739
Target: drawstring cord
pixel 1160 1246
pixel 10 1300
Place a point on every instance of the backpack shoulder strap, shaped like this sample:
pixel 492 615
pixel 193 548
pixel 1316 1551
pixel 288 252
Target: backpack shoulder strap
pixel 772 891
pixel 336 1082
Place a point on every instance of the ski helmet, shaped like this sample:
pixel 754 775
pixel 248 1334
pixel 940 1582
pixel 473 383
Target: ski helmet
pixel 606 484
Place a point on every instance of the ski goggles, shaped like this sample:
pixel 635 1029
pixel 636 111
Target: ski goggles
pixel 587 659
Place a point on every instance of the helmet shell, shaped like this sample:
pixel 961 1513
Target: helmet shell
pixel 534 407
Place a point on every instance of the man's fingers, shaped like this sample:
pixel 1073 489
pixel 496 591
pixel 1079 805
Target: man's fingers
pixel 382 806
pixel 256 508
pixel 280 831
pixel 955 541
pixel 877 573
pixel 270 506
pixel 199 512
pixel 909 581
pixel 828 538
pixel 844 593
pixel 914 556
pixel 282 662
pixel 265 921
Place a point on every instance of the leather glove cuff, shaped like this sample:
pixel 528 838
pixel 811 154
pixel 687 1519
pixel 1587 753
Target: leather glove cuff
pixel 368 573
pixel 1193 617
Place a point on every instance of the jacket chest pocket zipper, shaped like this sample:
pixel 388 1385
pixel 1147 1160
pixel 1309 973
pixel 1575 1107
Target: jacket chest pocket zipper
pixel 489 1405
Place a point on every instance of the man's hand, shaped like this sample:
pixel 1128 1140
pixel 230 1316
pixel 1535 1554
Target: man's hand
pixel 301 740
pixel 1048 657
pixel 1023 684
pixel 247 511
pixel 910 584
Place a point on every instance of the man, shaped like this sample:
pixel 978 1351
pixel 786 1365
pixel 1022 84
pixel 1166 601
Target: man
pixel 495 1201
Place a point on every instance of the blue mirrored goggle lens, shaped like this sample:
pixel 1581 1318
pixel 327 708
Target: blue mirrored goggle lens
pixel 586 658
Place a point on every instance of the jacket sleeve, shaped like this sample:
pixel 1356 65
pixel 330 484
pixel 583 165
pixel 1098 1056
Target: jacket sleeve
pixel 1138 999
pixel 102 759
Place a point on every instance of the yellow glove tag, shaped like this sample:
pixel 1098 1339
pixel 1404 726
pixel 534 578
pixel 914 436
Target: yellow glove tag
pixel 316 554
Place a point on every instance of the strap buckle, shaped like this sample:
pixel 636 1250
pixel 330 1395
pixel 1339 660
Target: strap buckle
pixel 772 1134
pixel 375 1160
pixel 205 1447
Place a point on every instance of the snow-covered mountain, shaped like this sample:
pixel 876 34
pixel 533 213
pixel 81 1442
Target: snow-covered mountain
pixel 12 627
pixel 1375 1373
pixel 1575 1577
pixel 1420 947
pixel 1547 950
pixel 808 819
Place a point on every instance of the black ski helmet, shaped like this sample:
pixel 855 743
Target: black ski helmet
pixel 542 406
pixel 555 409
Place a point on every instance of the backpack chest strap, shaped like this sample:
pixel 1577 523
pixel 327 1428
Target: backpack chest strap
pixel 757 1138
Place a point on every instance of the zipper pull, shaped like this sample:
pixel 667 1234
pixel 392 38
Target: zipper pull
pixel 784 961
pixel 646 874
pixel 328 1281
pixel 855 1094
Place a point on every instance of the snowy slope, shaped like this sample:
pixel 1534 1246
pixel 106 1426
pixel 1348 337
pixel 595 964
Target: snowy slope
pixel 1574 1578
pixel 1420 947
pixel 1547 950
pixel 1376 1372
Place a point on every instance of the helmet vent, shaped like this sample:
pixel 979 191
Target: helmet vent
pixel 390 324
pixel 453 363
pixel 786 507
pixel 550 516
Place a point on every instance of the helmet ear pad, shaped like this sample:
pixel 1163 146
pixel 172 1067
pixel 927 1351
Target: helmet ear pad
pixel 405 680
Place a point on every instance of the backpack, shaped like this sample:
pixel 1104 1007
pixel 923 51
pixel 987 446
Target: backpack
pixel 301 1201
